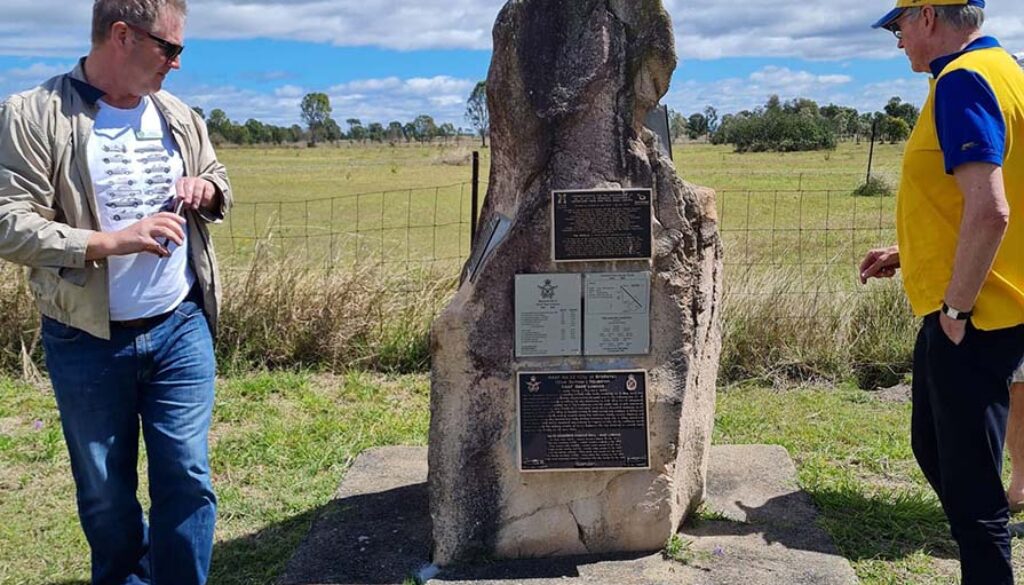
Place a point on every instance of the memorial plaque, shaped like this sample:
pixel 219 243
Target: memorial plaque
pixel 601 225
pixel 617 318
pixel 578 421
pixel 548 314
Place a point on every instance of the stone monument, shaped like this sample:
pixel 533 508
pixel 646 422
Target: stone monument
pixel 573 381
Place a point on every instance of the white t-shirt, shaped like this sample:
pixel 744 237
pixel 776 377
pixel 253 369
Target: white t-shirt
pixel 135 164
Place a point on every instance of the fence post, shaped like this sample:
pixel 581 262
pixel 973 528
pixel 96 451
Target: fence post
pixel 871 152
pixel 475 199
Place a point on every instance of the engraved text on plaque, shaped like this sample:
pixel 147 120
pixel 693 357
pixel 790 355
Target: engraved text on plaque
pixel 583 420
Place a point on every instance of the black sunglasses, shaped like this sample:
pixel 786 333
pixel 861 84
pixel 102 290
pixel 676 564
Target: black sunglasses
pixel 171 50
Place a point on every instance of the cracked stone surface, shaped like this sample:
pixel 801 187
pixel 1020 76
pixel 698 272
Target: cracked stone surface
pixel 569 86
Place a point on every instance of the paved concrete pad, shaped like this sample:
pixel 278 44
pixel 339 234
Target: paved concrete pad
pixel 377 531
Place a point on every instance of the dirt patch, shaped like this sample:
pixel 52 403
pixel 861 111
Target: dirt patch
pixel 899 393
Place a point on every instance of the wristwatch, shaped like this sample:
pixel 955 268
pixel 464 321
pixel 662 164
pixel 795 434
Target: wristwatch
pixel 955 314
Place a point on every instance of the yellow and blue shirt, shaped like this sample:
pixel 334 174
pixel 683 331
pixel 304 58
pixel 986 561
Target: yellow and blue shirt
pixel 974 113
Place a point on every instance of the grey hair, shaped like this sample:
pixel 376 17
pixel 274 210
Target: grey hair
pixel 141 13
pixel 965 18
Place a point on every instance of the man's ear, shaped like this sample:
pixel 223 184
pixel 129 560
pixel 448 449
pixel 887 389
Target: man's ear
pixel 119 33
pixel 928 14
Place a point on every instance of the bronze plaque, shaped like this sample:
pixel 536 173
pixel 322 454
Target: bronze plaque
pixel 601 225
pixel 583 420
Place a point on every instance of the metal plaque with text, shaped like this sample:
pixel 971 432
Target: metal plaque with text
pixel 617 319
pixel 548 315
pixel 575 421
pixel 601 225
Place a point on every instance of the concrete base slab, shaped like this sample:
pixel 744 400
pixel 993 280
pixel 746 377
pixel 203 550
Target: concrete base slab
pixel 377 532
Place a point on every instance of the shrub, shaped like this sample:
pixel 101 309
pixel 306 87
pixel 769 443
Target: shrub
pixel 874 187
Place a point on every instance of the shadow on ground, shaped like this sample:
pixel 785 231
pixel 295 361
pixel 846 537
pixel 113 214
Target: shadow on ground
pixel 886 526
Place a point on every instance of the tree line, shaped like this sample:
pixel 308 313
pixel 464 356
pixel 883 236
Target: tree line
pixel 316 112
pixel 795 125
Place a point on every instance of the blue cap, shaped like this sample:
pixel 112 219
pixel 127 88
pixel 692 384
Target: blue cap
pixel 902 5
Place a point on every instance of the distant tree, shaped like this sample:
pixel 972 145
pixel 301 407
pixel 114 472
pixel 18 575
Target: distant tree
pixel 696 126
pixel 332 131
pixel 375 131
pixel 355 129
pixel 676 125
pixel 711 115
pixel 199 111
pixel 477 113
pixel 907 112
pixel 796 125
pixel 395 131
pixel 218 122
pixel 316 110
pixel 295 133
pixel 426 129
pixel 410 132
pixel 258 132
pixel 279 134
pixel 842 119
pixel 240 134
pixel 446 131
pixel 894 129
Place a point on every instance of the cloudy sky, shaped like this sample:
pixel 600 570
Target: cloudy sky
pixel 382 60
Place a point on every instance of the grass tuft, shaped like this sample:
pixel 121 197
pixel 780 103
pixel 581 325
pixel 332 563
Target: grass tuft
pixel 786 332
pixel 874 187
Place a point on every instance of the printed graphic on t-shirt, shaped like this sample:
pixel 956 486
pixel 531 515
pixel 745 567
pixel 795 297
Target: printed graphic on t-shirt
pixel 135 164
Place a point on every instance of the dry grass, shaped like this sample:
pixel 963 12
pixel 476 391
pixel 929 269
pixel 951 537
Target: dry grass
pixel 789 331
pixel 286 314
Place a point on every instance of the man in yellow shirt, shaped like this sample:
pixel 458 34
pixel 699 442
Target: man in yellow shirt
pixel 960 228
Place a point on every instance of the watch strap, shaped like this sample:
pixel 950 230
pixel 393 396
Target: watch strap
pixel 955 314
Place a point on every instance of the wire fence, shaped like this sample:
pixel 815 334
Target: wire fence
pixel 397 229
pixel 813 238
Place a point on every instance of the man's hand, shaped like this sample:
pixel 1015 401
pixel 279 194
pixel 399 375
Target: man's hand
pixel 139 237
pixel 196 193
pixel 880 263
pixel 954 330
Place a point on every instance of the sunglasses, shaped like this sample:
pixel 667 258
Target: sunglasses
pixel 170 50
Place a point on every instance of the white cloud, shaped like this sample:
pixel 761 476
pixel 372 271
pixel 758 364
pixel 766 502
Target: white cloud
pixel 812 29
pixel 370 100
pixel 38 71
pixel 288 91
pixel 746 93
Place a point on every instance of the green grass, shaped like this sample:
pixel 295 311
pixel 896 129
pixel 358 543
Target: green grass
pixel 412 204
pixel 853 456
pixel 282 442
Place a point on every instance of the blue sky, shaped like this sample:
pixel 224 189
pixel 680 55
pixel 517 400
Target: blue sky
pixel 383 60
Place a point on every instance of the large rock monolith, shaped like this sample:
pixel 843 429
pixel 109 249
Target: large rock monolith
pixel 569 87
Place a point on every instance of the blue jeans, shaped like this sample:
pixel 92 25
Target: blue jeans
pixel 162 375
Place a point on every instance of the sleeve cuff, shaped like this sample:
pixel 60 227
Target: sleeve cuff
pixel 981 156
pixel 215 215
pixel 76 241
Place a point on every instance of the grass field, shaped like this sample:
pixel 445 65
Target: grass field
pixel 410 204
pixel 282 442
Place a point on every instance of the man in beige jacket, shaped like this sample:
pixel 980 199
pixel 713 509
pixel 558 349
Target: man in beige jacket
pixel 107 185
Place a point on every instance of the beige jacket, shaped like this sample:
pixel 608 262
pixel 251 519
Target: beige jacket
pixel 48 208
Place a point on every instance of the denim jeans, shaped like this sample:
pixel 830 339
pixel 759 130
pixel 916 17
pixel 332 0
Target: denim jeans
pixel 162 376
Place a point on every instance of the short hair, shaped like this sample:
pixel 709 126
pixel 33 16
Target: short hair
pixel 141 13
pixel 966 18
